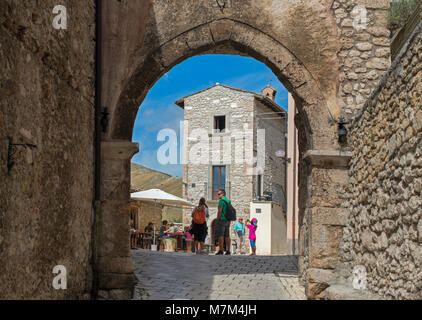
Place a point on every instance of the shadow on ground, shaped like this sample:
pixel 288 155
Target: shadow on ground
pixel 173 276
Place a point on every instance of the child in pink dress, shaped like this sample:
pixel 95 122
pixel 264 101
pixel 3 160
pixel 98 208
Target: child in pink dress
pixel 187 239
pixel 252 235
pixel 188 236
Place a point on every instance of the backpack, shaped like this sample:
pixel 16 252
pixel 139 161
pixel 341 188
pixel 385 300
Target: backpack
pixel 199 216
pixel 230 212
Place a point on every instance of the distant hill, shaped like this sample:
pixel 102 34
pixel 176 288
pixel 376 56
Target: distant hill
pixel 145 178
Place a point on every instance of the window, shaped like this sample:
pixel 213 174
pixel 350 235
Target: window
pixel 220 123
pixel 218 180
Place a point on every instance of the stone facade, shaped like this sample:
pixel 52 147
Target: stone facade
pixel 384 231
pixel 144 213
pixel 274 175
pixel 46 104
pixel 245 113
pixel 365 50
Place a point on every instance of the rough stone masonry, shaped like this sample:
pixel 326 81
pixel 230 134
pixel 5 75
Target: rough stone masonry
pixel 47 104
pixel 384 230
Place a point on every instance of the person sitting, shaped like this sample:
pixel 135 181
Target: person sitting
pixel 171 230
pixel 149 229
pixel 146 237
pixel 164 231
pixel 163 234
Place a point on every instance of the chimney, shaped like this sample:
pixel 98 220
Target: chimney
pixel 269 92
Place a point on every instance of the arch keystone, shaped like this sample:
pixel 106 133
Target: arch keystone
pixel 199 37
pixel 171 52
pixel 221 30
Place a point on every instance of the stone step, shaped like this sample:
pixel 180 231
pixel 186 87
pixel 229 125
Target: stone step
pixel 342 291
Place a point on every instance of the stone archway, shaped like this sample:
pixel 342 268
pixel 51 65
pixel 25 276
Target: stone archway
pixel 322 167
pixel 226 36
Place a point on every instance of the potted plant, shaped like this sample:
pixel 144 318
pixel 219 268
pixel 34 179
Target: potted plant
pixel 170 244
pixel 403 17
pixel 399 13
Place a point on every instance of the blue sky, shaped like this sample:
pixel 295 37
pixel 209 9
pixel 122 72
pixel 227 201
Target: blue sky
pixel 158 110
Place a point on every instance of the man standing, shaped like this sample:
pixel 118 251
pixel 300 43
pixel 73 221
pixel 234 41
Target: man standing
pixel 239 231
pixel 222 227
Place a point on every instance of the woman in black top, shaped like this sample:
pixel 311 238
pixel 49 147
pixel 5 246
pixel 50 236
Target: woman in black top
pixel 199 223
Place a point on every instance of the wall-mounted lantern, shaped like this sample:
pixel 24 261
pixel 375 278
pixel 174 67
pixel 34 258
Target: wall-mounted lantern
pixel 342 131
pixel 281 154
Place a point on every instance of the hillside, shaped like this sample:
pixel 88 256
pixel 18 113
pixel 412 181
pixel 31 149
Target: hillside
pixel 145 179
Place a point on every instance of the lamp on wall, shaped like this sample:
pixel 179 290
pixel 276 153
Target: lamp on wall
pixel 342 131
pixel 281 154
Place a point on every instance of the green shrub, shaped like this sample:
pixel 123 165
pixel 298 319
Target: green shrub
pixel 177 220
pixel 400 12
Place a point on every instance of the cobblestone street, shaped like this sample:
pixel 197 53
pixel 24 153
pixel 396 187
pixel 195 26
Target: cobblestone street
pixel 184 276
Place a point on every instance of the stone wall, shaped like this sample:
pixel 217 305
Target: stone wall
pixel 363 56
pixel 365 50
pixel 145 214
pixel 384 231
pixel 47 102
pixel 275 169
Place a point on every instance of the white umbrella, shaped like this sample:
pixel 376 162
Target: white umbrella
pixel 161 197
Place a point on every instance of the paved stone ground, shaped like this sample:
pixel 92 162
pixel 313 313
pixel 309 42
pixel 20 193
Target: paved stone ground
pixel 185 276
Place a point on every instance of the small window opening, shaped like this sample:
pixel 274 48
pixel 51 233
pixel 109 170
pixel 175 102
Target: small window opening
pixel 220 123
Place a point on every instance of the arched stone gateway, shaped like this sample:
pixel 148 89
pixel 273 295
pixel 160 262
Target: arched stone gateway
pixel 300 42
pixel 223 36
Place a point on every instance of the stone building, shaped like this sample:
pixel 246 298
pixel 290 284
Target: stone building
pixel 243 130
pixel 142 212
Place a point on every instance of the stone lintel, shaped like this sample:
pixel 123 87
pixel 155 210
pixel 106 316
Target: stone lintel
pixel 333 158
pixel 118 149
